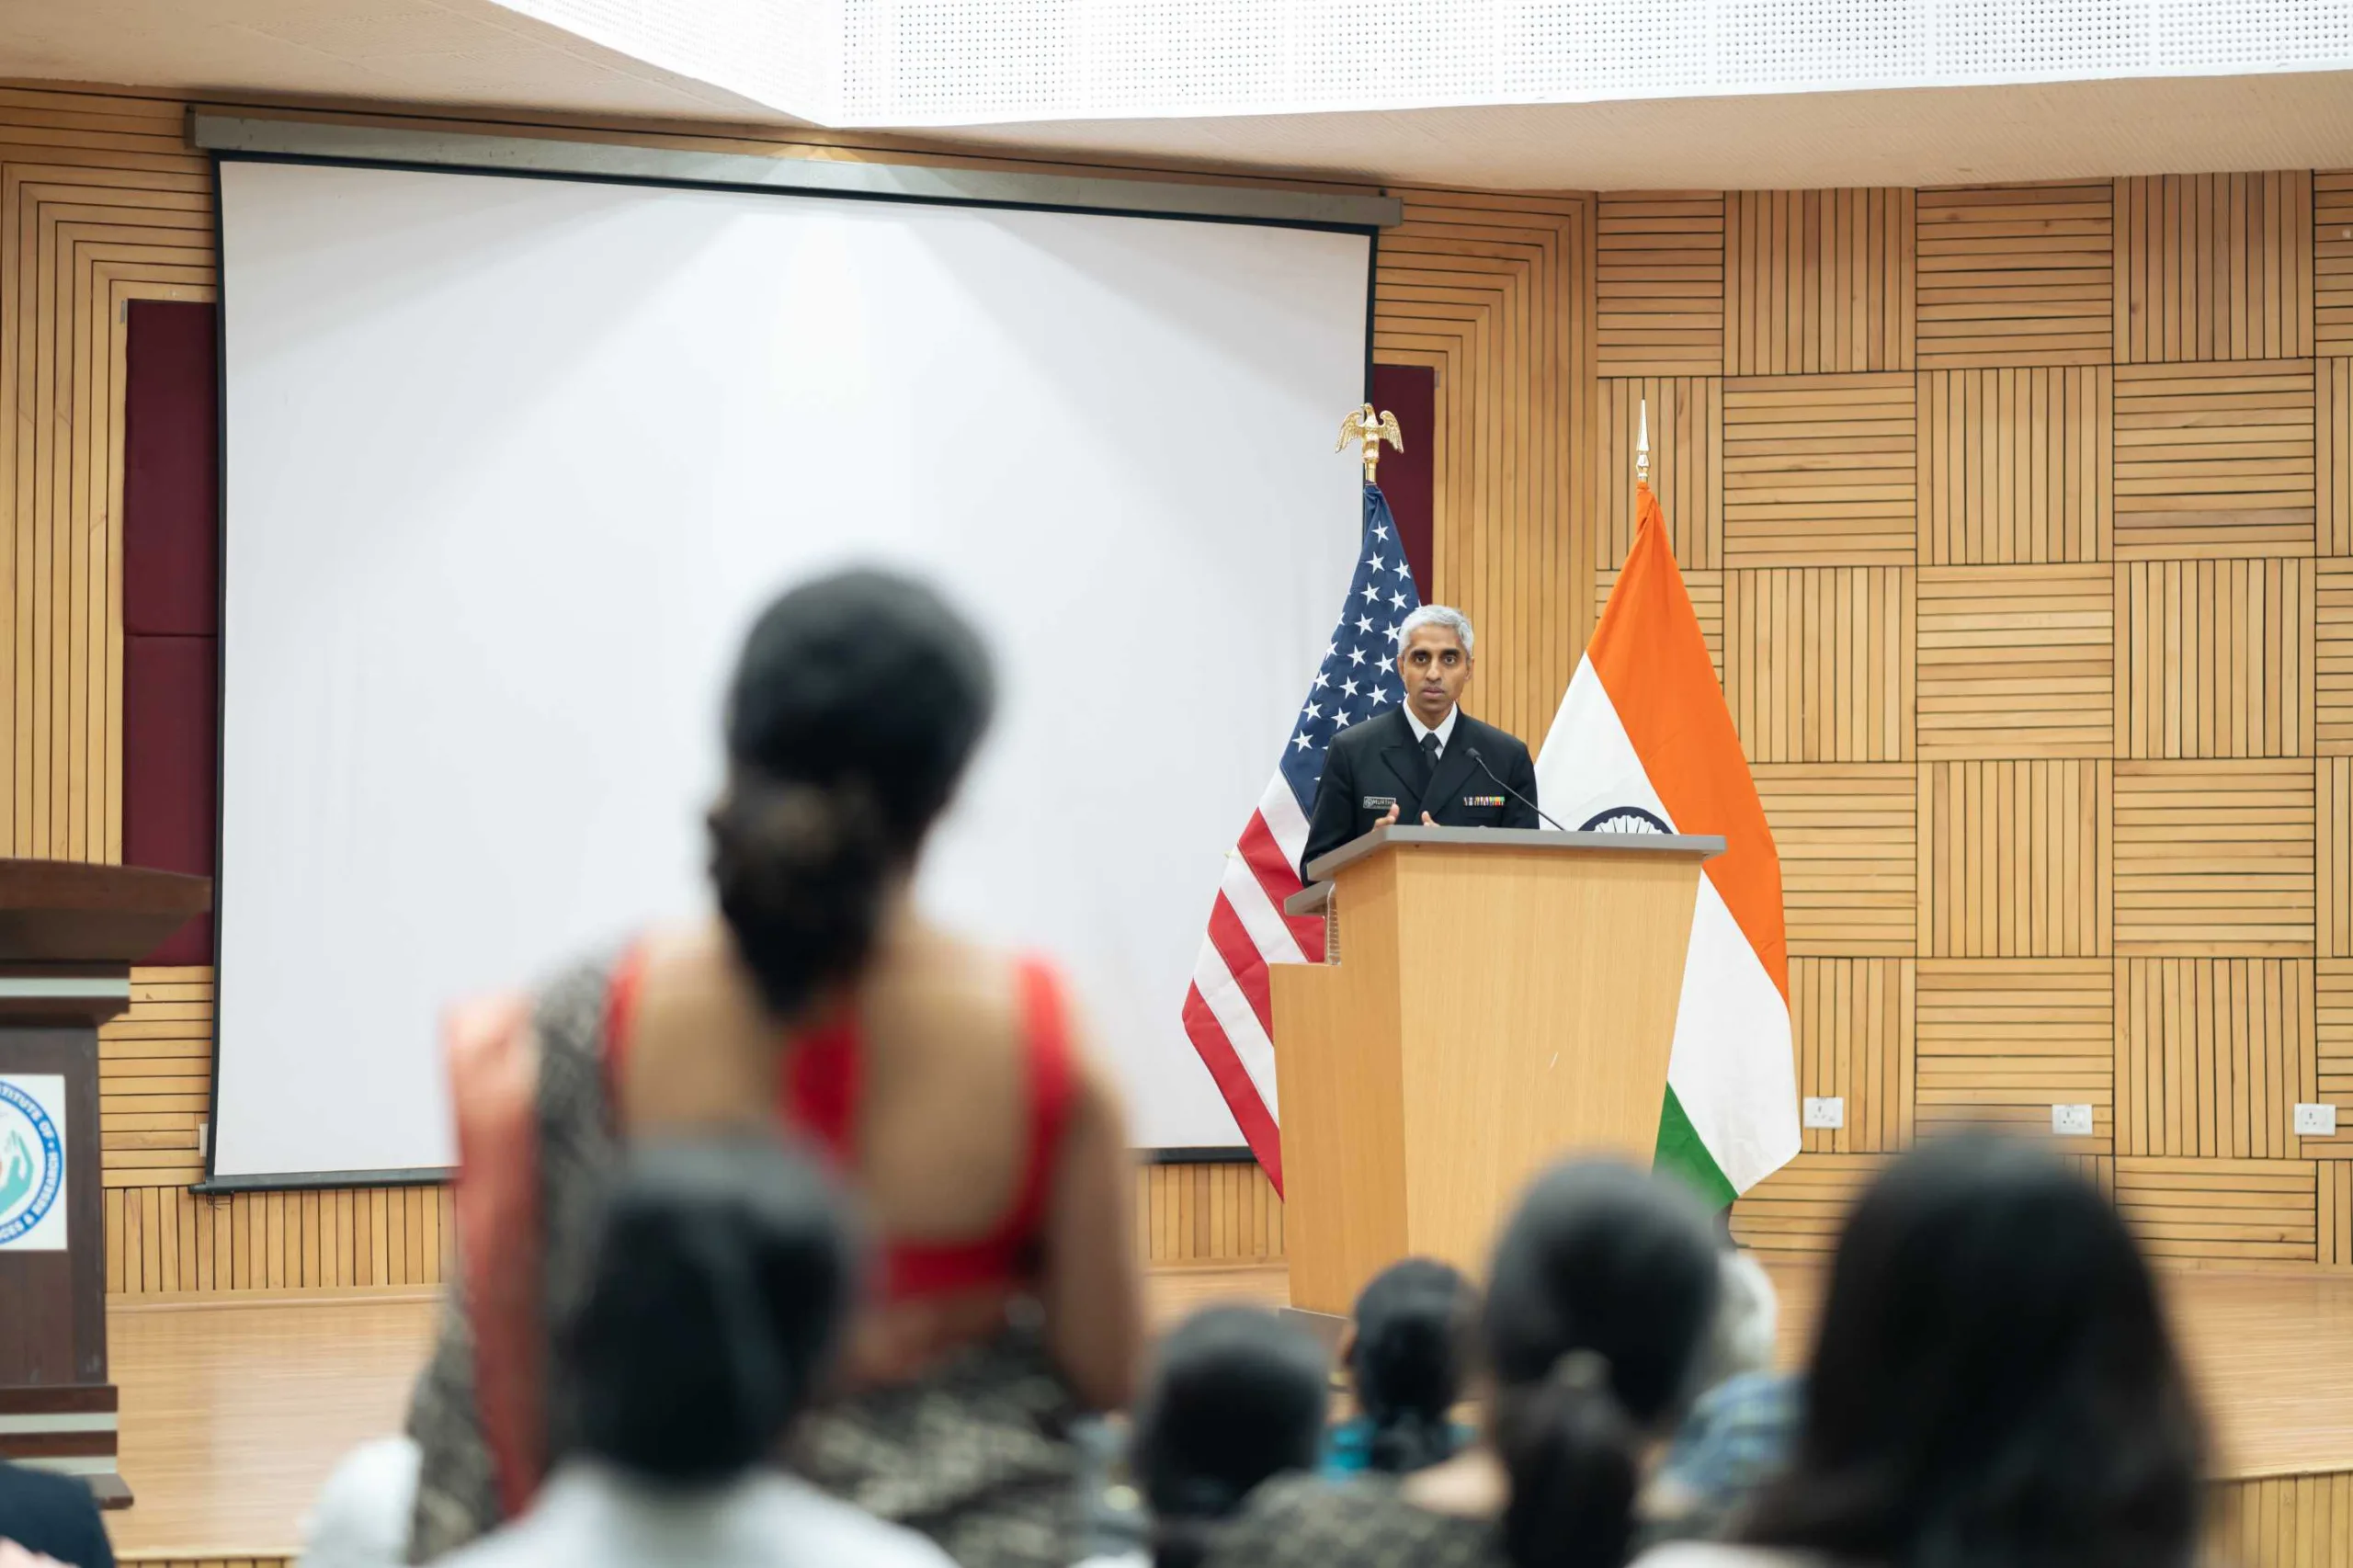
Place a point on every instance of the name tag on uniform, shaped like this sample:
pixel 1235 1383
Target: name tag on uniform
pixel 1475 801
pixel 1379 803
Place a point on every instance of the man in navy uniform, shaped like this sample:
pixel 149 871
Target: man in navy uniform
pixel 1427 761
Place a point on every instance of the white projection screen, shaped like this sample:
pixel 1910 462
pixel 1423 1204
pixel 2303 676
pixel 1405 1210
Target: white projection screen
pixel 510 464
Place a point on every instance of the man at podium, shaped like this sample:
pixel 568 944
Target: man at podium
pixel 1426 760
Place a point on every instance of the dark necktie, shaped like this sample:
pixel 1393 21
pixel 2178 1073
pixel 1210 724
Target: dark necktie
pixel 1429 750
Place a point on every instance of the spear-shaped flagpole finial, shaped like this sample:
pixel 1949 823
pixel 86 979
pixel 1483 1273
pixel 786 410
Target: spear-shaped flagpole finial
pixel 1643 445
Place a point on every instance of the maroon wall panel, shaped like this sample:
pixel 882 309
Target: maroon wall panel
pixel 1409 479
pixel 171 577
pixel 171 487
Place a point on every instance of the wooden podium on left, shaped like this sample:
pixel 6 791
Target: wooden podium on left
pixel 69 934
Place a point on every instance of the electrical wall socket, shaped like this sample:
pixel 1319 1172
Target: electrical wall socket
pixel 2315 1121
pixel 1830 1112
pixel 2072 1120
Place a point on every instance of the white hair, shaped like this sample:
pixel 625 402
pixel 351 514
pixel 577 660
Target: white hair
pixel 1453 619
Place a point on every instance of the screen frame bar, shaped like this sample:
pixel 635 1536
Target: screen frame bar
pixel 233 135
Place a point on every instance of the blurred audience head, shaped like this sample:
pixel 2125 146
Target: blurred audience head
pixel 1408 1351
pixel 720 1275
pixel 1601 1295
pixel 1992 1385
pixel 1236 1395
pixel 856 703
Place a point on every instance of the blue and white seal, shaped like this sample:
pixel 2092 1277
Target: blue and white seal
pixel 32 1163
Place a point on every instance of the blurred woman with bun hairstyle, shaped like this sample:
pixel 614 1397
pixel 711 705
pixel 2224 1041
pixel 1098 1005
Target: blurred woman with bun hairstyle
pixel 1601 1292
pixel 719 1280
pixel 950 1085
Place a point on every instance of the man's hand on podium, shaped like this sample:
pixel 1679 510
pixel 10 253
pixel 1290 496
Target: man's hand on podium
pixel 1391 820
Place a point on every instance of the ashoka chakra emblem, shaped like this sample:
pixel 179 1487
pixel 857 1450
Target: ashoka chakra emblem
pixel 1624 819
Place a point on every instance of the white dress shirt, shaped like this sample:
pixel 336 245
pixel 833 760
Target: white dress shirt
pixel 590 1516
pixel 1445 730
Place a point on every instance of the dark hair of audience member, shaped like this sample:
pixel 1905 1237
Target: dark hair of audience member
pixel 1407 1354
pixel 856 703
pixel 1993 1384
pixel 1603 1287
pixel 1236 1396
pixel 721 1275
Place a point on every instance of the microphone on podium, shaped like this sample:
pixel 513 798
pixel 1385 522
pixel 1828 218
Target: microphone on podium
pixel 1509 790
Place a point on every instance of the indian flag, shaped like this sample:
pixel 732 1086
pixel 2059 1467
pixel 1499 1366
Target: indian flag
pixel 1644 743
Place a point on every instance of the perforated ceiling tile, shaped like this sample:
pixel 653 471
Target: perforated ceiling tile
pixel 1571 48
pixel 1188 56
pixel 2208 36
pixel 2046 40
pixel 1792 45
pixel 983 59
pixel 983 62
pixel 1401 49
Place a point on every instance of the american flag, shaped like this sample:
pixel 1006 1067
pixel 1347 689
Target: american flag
pixel 1229 1011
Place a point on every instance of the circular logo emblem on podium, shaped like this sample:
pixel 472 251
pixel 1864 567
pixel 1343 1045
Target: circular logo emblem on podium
pixel 32 1163
pixel 1624 819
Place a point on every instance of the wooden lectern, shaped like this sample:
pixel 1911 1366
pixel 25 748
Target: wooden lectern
pixel 69 934
pixel 1491 999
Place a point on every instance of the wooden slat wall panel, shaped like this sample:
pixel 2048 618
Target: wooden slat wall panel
pixel 169 1241
pixel 1659 286
pixel 2001 1041
pixel 2333 1057
pixel 126 213
pixel 2214 858
pixel 2283 1521
pixel 2214 267
pixel 155 1079
pixel 1224 1212
pixel 2333 857
pixel 2333 455
pixel 2333 263
pixel 2221 1207
pixel 1707 591
pixel 2016 662
pixel 2014 465
pixel 2333 658
pixel 2214 459
pixel 1801 1207
pixel 1818 663
pixel 1820 471
pixel 1495 292
pixel 1848 862
pixel 2017 275
pixel 2218 658
pixel 1687 425
pixel 2017 859
pixel 1852 1019
pixel 1817 280
pixel 2332 1216
pixel 2211 1054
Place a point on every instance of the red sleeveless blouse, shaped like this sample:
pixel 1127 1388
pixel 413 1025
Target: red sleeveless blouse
pixel 824 1083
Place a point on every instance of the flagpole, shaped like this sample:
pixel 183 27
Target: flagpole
pixel 1643 445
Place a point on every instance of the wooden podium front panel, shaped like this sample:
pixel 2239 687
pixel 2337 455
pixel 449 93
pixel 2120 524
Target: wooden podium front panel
pixel 1337 1081
pixel 1538 1001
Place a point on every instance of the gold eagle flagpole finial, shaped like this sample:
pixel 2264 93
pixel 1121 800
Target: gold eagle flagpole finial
pixel 1643 445
pixel 1371 429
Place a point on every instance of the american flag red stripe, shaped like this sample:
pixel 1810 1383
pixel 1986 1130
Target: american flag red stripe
pixel 1278 879
pixel 1229 1010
